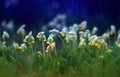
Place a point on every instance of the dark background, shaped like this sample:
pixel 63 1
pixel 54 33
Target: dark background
pixel 34 13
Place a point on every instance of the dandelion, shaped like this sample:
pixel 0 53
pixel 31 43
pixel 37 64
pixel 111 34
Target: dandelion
pixel 113 30
pixel 41 36
pixel 21 30
pixel 5 35
pixel 94 30
pixel 83 25
pixel 23 47
pixel 54 31
pixel 29 38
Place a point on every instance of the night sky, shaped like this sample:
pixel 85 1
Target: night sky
pixel 34 12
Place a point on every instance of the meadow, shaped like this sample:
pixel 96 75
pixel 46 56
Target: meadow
pixel 73 51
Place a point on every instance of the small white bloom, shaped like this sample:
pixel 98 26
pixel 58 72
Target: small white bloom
pixel 29 38
pixel 21 30
pixel 5 35
pixel 41 36
pixel 15 45
pixel 83 25
pixel 54 31
pixel 94 30
pixel 113 30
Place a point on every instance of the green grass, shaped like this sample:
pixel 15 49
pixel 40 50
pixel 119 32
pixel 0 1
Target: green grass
pixel 69 61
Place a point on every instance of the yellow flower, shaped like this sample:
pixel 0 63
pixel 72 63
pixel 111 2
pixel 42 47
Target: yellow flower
pixel 119 45
pixel 62 34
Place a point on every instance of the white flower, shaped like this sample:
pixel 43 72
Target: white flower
pixel 75 27
pixel 118 38
pixel 113 30
pixel 83 25
pixel 71 36
pixel 94 30
pixel 64 31
pixel 50 39
pixel 21 30
pixel 5 35
pixel 105 36
pixel 23 47
pixel 82 42
pixel 93 38
pixel 41 36
pixel 54 31
pixel 9 25
pixel 87 34
pixel 15 45
pixel 50 47
pixel 29 38
pixel 3 45
pixel 81 33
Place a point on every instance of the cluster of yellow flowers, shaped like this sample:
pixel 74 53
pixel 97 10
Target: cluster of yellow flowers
pixel 69 34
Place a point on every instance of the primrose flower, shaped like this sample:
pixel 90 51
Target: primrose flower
pixel 15 45
pixel 82 42
pixel 21 30
pixel 64 31
pixel 71 36
pixel 41 36
pixel 5 35
pixel 94 30
pixel 50 39
pixel 83 25
pixel 54 31
pixel 50 47
pixel 113 30
pixel 23 47
pixel 29 38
